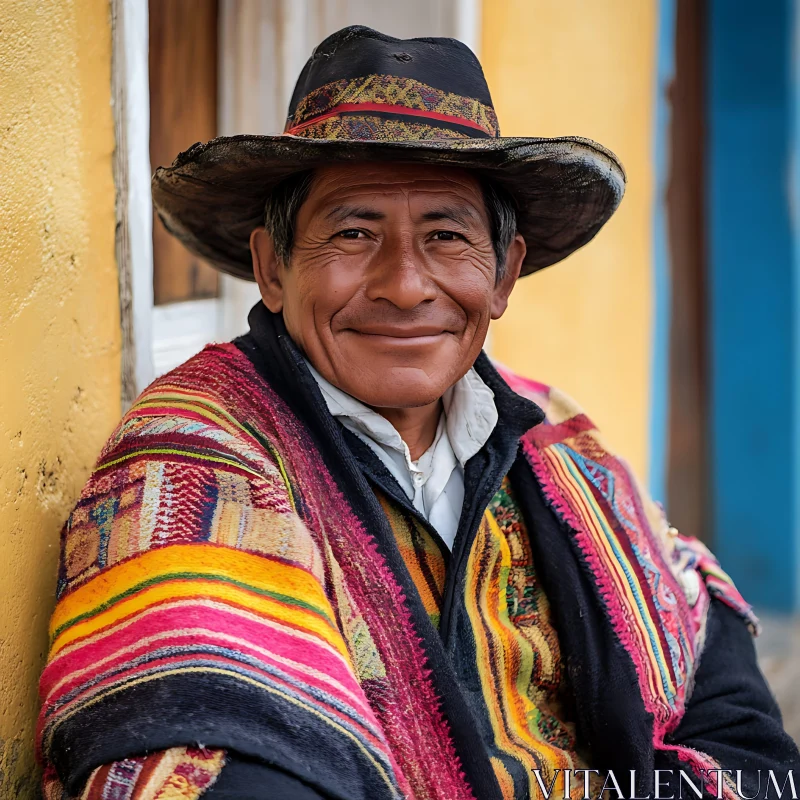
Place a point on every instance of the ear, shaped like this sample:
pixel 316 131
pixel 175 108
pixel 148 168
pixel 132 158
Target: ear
pixel 268 270
pixel 502 290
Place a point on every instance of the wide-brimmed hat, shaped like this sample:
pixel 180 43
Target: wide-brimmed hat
pixel 364 96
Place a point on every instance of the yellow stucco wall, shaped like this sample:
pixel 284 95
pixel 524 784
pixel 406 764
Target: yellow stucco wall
pixel 572 67
pixel 59 322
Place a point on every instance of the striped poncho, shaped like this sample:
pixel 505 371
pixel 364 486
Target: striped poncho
pixel 227 582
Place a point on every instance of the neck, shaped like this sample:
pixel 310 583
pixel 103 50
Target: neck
pixel 416 426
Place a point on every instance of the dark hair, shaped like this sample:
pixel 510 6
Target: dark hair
pixel 280 211
pixel 502 212
pixel 284 201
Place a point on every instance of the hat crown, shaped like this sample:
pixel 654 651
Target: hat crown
pixel 360 84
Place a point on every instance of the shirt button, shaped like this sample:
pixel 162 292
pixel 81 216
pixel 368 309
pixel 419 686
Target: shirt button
pixel 418 479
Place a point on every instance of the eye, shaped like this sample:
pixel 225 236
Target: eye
pixel 350 233
pixel 447 236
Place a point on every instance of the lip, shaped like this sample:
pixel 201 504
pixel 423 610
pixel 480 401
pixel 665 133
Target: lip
pixel 400 339
pixel 396 332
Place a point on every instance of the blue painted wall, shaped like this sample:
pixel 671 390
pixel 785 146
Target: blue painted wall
pixel 659 369
pixel 752 97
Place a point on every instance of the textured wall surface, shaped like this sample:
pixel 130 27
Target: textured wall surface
pixel 59 322
pixel 588 69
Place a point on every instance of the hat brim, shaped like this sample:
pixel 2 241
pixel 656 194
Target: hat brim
pixel 213 195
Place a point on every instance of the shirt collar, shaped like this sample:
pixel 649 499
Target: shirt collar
pixel 471 415
pixel 469 408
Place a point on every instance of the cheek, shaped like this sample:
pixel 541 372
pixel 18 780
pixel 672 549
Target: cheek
pixel 317 292
pixel 472 292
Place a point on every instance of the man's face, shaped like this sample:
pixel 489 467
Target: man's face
pixel 391 284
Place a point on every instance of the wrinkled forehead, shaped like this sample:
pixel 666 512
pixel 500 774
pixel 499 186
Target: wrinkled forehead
pixel 389 184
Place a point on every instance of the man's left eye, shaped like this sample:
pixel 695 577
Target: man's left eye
pixel 447 236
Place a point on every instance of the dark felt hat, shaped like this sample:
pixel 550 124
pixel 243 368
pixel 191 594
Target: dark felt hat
pixel 364 96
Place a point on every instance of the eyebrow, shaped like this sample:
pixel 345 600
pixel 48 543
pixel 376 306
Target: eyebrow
pixel 461 215
pixel 341 213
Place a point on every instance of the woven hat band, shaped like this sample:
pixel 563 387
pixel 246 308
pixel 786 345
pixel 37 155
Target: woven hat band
pixel 389 108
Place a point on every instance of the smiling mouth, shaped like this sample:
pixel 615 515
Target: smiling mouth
pixel 402 336
pixel 398 332
pixel 406 339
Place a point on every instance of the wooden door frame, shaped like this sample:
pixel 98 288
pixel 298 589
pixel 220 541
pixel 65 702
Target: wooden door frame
pixel 134 211
pixel 688 433
pixel 679 471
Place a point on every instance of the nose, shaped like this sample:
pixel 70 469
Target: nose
pixel 399 274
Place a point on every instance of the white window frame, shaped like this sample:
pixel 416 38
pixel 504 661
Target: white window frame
pixel 263 46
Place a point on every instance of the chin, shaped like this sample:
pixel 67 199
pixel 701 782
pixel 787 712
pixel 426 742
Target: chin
pixel 402 379
pixel 409 394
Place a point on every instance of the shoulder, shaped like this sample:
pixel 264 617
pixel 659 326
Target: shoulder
pixel 191 461
pixel 208 402
pixel 215 379
pixel 206 429
pixel 572 461
pixel 564 418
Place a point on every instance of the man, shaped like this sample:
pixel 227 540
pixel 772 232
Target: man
pixel 346 556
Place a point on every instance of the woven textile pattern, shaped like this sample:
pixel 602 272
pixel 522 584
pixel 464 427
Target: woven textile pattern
pixel 421 555
pixel 518 655
pixel 213 573
pixel 371 127
pixel 390 90
pixel 518 659
pixel 181 773
pixel 652 592
pixel 692 554
pixel 187 556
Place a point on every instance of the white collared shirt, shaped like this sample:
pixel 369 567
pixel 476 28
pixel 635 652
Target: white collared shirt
pixel 435 481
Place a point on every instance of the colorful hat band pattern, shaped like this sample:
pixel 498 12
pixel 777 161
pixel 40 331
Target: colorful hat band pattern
pixel 419 108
